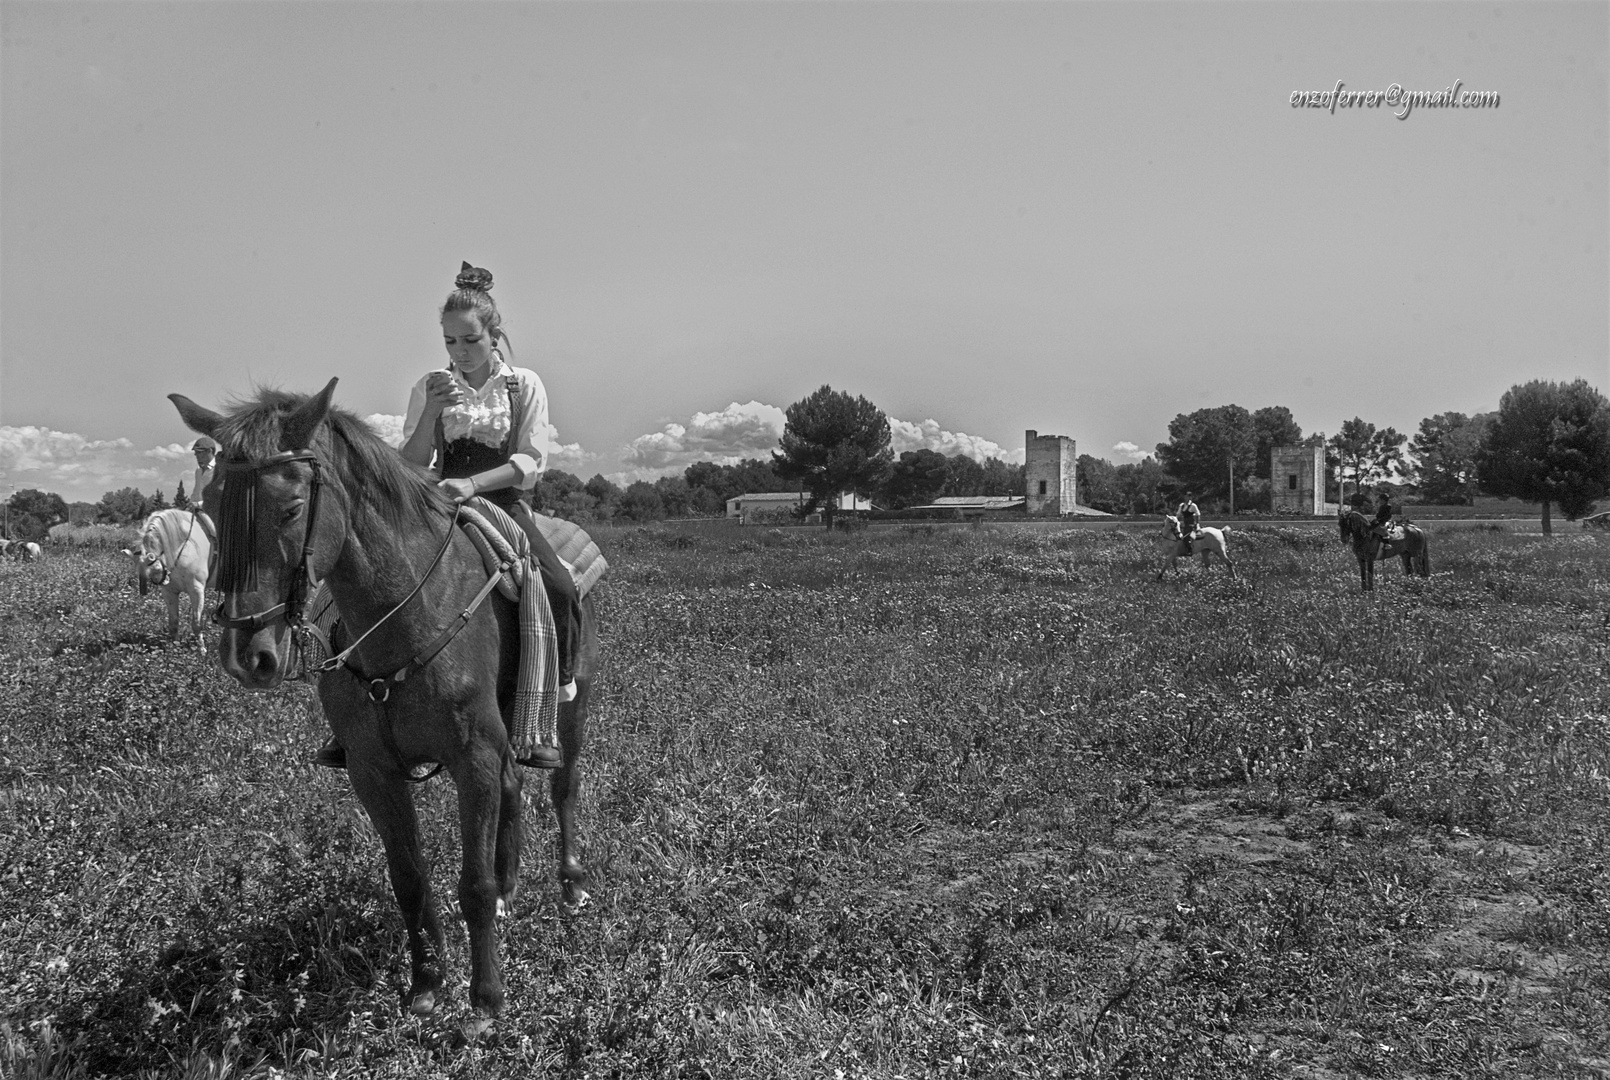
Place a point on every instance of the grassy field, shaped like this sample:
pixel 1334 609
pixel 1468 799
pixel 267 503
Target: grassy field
pixel 910 803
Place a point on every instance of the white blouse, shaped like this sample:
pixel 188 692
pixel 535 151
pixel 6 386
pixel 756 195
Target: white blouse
pixel 484 415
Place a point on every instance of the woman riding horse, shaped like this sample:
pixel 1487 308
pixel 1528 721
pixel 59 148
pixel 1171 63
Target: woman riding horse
pixel 485 423
pixel 429 667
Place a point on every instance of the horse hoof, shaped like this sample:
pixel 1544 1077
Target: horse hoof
pixel 423 1004
pixel 575 899
pixel 476 1028
pixel 505 906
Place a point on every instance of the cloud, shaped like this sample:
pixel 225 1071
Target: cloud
pixel 726 438
pixel 77 467
pixel 928 435
pixel 388 427
pixel 566 456
pixel 171 452
pixel 561 455
pixel 752 431
pixel 27 448
pixel 1129 450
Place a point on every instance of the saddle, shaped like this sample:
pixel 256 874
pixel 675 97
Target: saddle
pixel 505 550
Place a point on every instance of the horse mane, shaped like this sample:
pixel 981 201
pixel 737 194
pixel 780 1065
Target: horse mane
pixel 165 527
pixel 391 487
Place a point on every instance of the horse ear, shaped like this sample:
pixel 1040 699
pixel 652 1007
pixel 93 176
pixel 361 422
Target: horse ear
pixel 297 431
pixel 197 419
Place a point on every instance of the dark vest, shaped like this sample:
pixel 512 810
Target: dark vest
pixel 459 458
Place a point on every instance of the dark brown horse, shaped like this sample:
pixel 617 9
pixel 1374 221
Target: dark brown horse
pixel 1368 546
pixel 308 492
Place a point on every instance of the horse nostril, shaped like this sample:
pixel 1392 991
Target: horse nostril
pixel 264 663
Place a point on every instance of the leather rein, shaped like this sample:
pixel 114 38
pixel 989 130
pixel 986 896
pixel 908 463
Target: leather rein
pixel 292 609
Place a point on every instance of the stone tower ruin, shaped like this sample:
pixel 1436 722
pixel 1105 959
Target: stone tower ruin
pixel 1297 479
pixel 1051 464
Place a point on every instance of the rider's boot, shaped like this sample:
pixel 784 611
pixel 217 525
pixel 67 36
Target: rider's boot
pixel 332 755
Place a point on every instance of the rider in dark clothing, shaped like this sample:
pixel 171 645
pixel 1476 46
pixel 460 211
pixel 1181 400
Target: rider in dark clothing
pixel 1383 514
pixel 1190 518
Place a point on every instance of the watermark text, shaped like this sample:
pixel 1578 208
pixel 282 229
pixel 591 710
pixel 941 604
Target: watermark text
pixel 1395 98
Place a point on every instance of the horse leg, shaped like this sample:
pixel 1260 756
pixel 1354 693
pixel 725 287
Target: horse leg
pixel 171 595
pixel 391 808
pixel 507 857
pixel 480 799
pixel 564 787
pixel 198 600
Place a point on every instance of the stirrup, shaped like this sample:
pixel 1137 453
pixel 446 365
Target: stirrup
pixel 543 757
pixel 567 692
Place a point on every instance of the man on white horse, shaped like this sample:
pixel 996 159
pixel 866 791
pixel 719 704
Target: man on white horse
pixel 1190 520
pixel 206 468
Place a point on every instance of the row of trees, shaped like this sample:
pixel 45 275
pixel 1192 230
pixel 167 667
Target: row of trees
pixel 1547 443
pixel 914 478
pixel 30 514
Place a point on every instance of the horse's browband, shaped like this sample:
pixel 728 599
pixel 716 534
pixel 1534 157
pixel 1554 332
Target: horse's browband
pixel 248 465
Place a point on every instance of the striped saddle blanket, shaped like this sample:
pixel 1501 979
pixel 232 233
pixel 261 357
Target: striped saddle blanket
pixel 502 542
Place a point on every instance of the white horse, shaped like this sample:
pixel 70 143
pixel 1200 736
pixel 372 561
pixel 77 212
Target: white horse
pixel 174 553
pixel 22 550
pixel 1207 542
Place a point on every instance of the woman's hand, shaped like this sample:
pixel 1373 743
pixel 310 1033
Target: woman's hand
pixel 459 490
pixel 441 391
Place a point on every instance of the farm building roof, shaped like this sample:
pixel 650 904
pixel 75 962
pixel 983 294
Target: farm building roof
pixel 770 496
pixel 974 502
pixel 996 502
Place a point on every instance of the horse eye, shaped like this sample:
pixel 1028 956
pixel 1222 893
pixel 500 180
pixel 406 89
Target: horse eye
pixel 290 513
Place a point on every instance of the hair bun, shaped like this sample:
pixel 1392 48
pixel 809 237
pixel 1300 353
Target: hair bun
pixel 474 277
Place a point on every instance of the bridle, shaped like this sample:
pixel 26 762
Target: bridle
pixel 157 571
pixel 292 607
pixel 307 637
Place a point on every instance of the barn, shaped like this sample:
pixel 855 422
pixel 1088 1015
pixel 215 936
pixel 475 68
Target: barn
pixel 774 506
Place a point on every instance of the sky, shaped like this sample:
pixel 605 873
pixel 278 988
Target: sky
pixel 1082 218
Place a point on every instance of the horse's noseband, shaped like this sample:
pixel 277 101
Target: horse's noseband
pixel 245 532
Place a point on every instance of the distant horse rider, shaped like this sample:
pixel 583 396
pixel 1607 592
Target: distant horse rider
pixel 1383 514
pixel 1190 518
pixel 206 468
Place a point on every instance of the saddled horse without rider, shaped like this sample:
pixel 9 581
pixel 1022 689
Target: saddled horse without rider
pixel 1407 542
pixel 1206 542
pixel 310 493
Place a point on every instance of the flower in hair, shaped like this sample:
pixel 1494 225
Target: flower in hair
pixel 474 277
